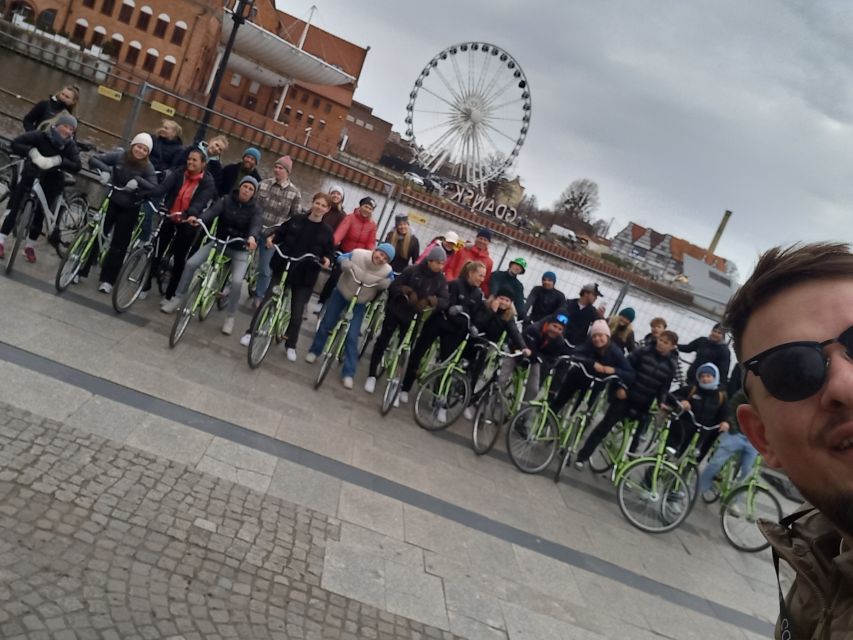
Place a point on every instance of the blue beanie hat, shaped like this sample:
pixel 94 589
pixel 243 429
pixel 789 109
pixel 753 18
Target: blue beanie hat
pixel 550 275
pixel 628 313
pixel 387 249
pixel 484 233
pixel 251 151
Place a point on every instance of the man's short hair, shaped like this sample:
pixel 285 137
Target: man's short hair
pixel 670 336
pixel 781 268
pixel 658 322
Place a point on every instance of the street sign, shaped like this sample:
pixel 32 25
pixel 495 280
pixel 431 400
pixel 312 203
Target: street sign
pixel 112 94
pixel 163 108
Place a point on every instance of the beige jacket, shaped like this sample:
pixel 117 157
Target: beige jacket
pixel 820 602
pixel 360 264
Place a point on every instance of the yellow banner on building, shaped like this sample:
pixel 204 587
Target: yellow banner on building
pixel 417 218
pixel 165 109
pixel 112 94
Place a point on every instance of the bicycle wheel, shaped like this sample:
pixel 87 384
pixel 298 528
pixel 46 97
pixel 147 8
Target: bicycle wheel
pixel 488 420
pixel 71 220
pixel 209 296
pixel 565 458
pixel 163 273
pixel 394 381
pixel 8 176
pixel 441 399
pixel 330 353
pixel 222 293
pixel 386 357
pixel 531 439
pixel 285 317
pixel 648 440
pixel 22 229
pixel 185 313
pixel 366 338
pixel 131 279
pixel 73 261
pixel 690 475
pixel 601 460
pixel 652 501
pixel 740 513
pixel 262 329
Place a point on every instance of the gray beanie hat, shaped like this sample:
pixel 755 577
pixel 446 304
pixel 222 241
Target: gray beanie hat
pixel 66 118
pixel 251 180
pixel 437 253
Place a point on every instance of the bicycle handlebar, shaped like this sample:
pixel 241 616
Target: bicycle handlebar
pixel 304 256
pixel 496 347
pixel 582 367
pixel 213 237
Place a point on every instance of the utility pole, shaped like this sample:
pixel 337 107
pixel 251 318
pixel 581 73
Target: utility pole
pixel 241 13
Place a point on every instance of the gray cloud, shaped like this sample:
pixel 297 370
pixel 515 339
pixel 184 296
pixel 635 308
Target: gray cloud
pixel 678 110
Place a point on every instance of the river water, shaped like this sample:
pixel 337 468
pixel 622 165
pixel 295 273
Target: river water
pixel 36 81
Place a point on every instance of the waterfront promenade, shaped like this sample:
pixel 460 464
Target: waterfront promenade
pixel 149 492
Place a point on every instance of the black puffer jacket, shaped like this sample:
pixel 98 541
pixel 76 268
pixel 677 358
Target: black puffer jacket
pixel 710 406
pixel 43 110
pixel 171 186
pixel 44 142
pixel 115 163
pixel 493 324
pixel 543 302
pixel 543 346
pixel 609 356
pixel 461 294
pixel 164 152
pixel 416 289
pixel 653 375
pixel 579 321
pixel 236 219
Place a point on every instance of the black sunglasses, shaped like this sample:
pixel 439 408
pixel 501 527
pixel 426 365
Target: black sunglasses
pixel 795 370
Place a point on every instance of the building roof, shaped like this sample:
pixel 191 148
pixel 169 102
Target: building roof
pixel 267 50
pixel 677 246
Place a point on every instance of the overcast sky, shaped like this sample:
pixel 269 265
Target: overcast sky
pixel 679 110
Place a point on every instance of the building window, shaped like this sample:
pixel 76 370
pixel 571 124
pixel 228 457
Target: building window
pixel 304 98
pixel 133 51
pixel 294 94
pixel 98 36
pixel 254 87
pixel 236 79
pixel 108 7
pixel 328 107
pixel 359 122
pixel 125 13
pixel 350 118
pixel 322 124
pixel 115 45
pixel 368 126
pixel 144 18
pixel 287 109
pixel 179 33
pixel 46 19
pixel 167 68
pixel 310 119
pixel 299 115
pixel 80 29
pixel 89 4
pixel 161 25
pixel 316 103
pixel 250 102
pixel 150 60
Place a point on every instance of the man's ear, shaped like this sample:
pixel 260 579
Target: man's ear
pixel 753 427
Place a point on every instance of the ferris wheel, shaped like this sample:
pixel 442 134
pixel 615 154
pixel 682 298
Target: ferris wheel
pixel 469 111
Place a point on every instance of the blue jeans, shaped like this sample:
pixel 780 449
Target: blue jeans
pixel 335 306
pixel 730 445
pixel 264 270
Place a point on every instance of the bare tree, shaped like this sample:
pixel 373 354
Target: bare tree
pixel 579 200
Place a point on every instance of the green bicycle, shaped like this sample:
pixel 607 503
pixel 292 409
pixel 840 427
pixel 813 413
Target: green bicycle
pixel 206 284
pixel 333 351
pixel 371 325
pixel 135 273
pixel 497 402
pixel 394 363
pixel 80 251
pixel 271 318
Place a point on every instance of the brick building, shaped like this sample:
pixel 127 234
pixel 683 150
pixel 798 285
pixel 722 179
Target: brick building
pixel 366 134
pixel 176 45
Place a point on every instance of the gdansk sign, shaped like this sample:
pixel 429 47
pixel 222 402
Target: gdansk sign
pixel 479 202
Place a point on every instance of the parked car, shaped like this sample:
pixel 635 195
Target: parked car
pixel 414 178
pixel 433 186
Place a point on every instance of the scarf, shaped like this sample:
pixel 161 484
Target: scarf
pixel 186 192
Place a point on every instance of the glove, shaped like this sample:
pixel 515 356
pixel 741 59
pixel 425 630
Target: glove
pixel 42 162
pixel 475 332
pixel 132 185
pixel 455 310
pixel 104 177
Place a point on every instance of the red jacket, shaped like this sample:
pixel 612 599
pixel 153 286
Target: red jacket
pixel 356 232
pixel 454 264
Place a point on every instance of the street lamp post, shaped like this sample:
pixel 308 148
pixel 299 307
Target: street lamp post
pixel 241 13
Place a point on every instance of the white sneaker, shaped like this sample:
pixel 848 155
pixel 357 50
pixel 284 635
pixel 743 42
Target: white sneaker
pixel 142 295
pixel 311 358
pixel 370 384
pixel 441 416
pixel 228 326
pixel 170 306
pixel 469 412
pixel 105 287
pixel 246 339
pixel 75 280
pixel 291 355
pixel 317 308
pixel 404 397
pixel 347 382
pixel 396 401
pixel 579 465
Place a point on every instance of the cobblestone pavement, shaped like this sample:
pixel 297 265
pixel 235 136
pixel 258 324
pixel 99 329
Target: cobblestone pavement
pixel 99 540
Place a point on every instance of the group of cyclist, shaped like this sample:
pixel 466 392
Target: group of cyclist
pixel 451 281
